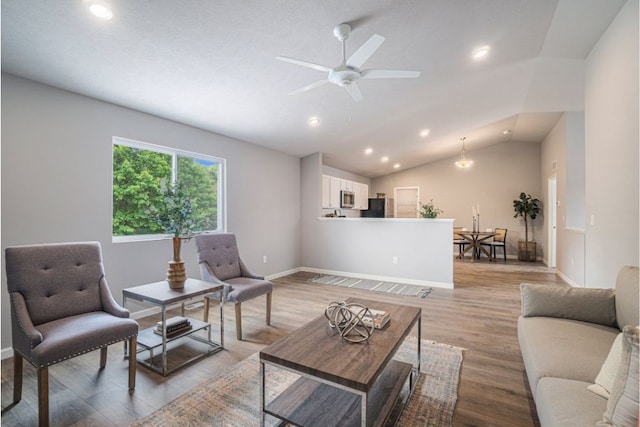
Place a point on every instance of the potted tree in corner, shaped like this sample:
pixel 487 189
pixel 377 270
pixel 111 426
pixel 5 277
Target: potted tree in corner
pixel 174 215
pixel 526 207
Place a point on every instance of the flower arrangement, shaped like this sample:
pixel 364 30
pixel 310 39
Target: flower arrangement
pixel 429 210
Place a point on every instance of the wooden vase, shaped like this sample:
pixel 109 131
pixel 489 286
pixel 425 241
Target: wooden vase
pixel 177 275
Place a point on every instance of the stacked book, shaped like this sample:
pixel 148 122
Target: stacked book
pixel 175 326
pixel 378 318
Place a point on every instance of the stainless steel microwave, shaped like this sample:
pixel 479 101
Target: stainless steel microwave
pixel 347 199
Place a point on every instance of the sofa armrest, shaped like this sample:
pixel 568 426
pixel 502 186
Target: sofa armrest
pixel 587 305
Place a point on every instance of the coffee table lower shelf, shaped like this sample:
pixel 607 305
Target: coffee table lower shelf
pixel 308 402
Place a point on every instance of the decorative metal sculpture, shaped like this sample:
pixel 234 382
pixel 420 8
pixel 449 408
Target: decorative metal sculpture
pixel 348 321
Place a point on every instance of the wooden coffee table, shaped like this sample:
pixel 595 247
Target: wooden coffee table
pixel 341 383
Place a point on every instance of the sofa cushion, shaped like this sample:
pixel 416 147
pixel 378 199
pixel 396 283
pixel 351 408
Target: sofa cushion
pixel 588 305
pixel 563 348
pixel 627 296
pixel 567 403
pixel 604 380
pixel 622 407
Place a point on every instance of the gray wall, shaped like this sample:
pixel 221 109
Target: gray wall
pixel 611 117
pixel 499 173
pixel 562 147
pixel 311 199
pixel 56 185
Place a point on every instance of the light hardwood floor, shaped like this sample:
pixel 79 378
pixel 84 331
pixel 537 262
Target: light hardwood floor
pixel 479 315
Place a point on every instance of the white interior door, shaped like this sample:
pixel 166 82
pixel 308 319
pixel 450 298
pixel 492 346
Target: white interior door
pixel 407 202
pixel 553 221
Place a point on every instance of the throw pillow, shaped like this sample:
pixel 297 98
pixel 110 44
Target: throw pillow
pixel 607 374
pixel 586 304
pixel 622 407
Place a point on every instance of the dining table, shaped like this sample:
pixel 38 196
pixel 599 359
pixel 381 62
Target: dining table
pixel 475 239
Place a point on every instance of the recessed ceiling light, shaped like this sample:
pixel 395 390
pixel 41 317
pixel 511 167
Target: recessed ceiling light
pixel 481 52
pixel 396 166
pixel 425 132
pixel 384 159
pixel 99 9
pixel 506 131
pixel 314 121
pixel 368 151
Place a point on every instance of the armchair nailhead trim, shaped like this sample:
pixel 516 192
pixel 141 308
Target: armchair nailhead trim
pixel 85 351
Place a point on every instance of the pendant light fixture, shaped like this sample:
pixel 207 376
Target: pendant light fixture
pixel 463 162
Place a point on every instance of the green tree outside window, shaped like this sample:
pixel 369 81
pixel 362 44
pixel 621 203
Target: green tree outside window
pixel 137 173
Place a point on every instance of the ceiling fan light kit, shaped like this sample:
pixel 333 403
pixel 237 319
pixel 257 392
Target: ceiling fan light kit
pixel 348 73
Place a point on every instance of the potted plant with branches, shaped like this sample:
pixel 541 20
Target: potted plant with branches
pixel 526 207
pixel 174 215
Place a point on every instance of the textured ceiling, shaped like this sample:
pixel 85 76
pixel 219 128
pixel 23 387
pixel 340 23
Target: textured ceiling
pixel 211 64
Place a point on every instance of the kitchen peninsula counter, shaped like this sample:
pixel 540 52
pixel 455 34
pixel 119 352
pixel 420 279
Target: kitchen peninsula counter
pixel 407 250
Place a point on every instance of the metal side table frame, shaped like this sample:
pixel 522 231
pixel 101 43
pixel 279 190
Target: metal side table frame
pixel 160 295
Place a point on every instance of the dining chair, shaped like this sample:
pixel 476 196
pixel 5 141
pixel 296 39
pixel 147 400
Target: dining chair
pixel 460 241
pixel 61 307
pixel 499 241
pixel 220 262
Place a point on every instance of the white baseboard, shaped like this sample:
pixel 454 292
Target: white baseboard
pixel 6 353
pixel 568 280
pixel 145 312
pixel 283 273
pixel 381 278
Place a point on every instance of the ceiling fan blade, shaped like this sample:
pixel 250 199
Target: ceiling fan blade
pixel 309 87
pixel 354 91
pixel 366 50
pixel 304 63
pixel 389 74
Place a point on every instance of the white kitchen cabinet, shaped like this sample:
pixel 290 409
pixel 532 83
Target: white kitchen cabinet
pixel 362 196
pixel 330 192
pixel 346 185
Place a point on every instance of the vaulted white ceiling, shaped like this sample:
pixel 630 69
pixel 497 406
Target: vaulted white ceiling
pixel 211 64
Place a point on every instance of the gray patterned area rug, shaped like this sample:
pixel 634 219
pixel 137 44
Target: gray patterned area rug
pixel 373 285
pixel 232 398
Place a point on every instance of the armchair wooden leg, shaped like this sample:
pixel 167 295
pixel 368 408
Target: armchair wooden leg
pixel 103 357
pixel 205 316
pixel 269 308
pixel 43 397
pixel 133 342
pixel 239 321
pixel 17 377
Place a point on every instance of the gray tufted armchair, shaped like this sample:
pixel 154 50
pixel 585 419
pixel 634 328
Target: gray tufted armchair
pixel 61 307
pixel 220 263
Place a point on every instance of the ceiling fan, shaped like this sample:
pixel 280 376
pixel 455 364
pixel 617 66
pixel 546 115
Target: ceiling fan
pixel 348 72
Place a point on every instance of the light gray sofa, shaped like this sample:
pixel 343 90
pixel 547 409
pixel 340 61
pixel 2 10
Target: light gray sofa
pixel 565 335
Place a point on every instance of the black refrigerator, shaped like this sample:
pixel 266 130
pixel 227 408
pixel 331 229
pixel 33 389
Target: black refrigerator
pixel 378 208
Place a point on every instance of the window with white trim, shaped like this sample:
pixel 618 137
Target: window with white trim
pixel 138 169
